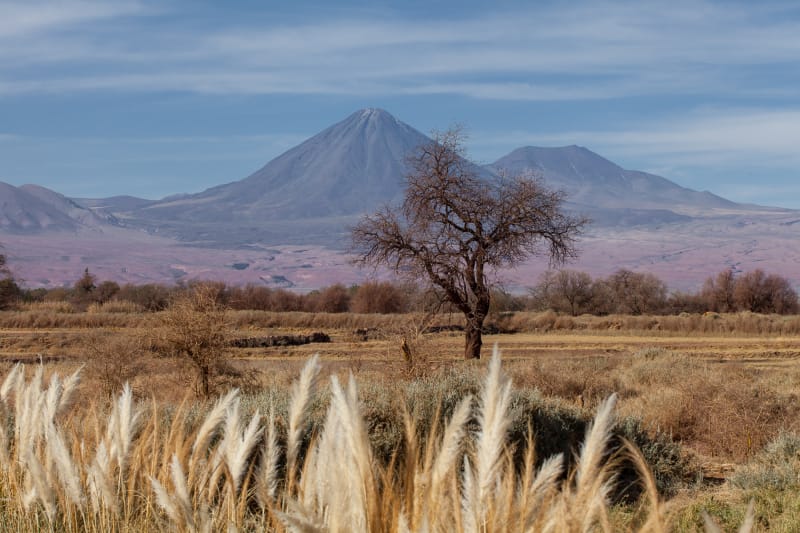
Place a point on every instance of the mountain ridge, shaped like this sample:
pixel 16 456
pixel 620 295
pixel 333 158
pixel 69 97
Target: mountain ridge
pixel 33 209
pixel 289 219
pixel 312 192
pixel 590 179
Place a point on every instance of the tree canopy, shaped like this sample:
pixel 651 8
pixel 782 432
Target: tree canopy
pixel 457 227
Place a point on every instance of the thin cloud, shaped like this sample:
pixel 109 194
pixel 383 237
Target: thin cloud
pixel 35 17
pixel 729 135
pixel 614 50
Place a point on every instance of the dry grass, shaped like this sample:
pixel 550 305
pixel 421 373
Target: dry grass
pixel 127 314
pixel 685 323
pixel 131 466
pixel 115 306
pixel 723 393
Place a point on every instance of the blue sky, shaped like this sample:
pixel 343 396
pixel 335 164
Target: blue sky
pixel 109 97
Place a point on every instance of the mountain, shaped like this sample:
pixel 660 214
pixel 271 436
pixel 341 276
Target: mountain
pixel 347 169
pixel 289 220
pixel 33 209
pixel 595 183
pixel 313 192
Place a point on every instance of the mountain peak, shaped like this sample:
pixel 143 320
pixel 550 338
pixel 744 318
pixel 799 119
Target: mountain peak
pixel 591 179
pixel 374 112
pixel 345 170
pixel 373 117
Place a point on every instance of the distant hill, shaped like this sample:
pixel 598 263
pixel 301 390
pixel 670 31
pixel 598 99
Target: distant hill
pixel 34 209
pixel 617 195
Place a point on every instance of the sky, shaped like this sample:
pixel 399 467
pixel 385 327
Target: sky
pixel 151 98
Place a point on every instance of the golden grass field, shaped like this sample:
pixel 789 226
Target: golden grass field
pixel 725 388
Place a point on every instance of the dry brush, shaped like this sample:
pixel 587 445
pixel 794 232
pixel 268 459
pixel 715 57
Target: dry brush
pixel 139 466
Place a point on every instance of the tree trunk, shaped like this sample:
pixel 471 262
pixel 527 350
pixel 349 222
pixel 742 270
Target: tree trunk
pixel 472 350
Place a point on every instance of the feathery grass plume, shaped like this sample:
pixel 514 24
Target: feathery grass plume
pixel 595 444
pixel 540 491
pixel 100 482
pixel 268 469
pixel 178 505
pixel 336 465
pixel 212 421
pixel 67 470
pixel 448 453
pixel 583 502
pixel 469 512
pixel 122 426
pixel 181 496
pixel 411 478
pixel 53 398
pixel 16 374
pixel 299 398
pixel 38 486
pixel 298 519
pixel 656 521
pixel 338 486
pixel 69 386
pixel 28 411
pixel 493 423
pixel 238 444
pixel 358 442
pixel 165 501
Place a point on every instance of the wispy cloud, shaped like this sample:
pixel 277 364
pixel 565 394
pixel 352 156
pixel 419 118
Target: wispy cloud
pixel 721 136
pixel 584 51
pixel 32 17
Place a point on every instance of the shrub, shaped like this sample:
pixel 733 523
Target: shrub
pixel 379 297
pixel 776 467
pixel 194 328
pixel 112 360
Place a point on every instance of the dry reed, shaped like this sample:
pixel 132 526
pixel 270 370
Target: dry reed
pixel 140 468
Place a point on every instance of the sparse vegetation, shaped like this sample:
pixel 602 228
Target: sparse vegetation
pixel 708 398
pixel 635 293
pixel 227 465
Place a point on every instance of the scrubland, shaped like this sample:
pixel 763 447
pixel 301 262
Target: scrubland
pixel 710 401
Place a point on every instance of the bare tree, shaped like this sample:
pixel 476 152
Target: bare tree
pixel 636 293
pixel 567 291
pixel 761 293
pixel 783 297
pixel 194 328
pixel 456 229
pixel 749 292
pixel 718 292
